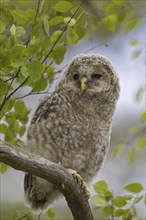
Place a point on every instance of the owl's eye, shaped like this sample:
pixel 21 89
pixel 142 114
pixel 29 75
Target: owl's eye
pixel 95 76
pixel 76 76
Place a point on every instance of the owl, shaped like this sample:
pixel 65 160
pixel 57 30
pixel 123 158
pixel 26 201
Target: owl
pixel 72 126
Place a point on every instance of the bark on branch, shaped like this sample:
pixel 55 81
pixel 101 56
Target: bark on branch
pixel 52 172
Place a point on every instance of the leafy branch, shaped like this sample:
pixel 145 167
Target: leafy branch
pixel 62 33
pixel 19 69
pixel 7 97
pixel 52 172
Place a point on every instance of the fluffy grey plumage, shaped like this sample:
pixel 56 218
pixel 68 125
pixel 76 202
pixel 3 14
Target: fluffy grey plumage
pixel 73 125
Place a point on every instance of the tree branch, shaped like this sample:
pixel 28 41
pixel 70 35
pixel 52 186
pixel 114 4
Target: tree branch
pixel 52 172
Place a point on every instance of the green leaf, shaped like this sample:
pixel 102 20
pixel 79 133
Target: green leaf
pixel 131 156
pixel 14 127
pixel 40 85
pixel 80 31
pixel 13 30
pixel 63 6
pixel 134 187
pixel 81 19
pixel 118 212
pixel 58 53
pixel 22 130
pixel 24 71
pixel 99 201
pixel 117 149
pixel 3 168
pixel 51 213
pixel 141 142
pixel 36 33
pixel 134 43
pixel 126 215
pixel 128 197
pixel 18 55
pixel 69 21
pixel 55 36
pixel 44 44
pixel 72 36
pixel 50 72
pixel 35 69
pixel 12 41
pixel 46 23
pixel 110 8
pixel 100 187
pixel 121 15
pixel 7 107
pixel 20 31
pixel 133 24
pixel 138 199
pixel 143 116
pixel 110 21
pixel 136 54
pixel 108 210
pixel 119 201
pixel 139 94
pixel 23 17
pixel 21 111
pixel 56 20
pixel 20 107
pixel 3 128
pixel 9 136
pixel 108 195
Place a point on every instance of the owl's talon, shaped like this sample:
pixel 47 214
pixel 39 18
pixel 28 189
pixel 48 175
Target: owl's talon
pixel 81 183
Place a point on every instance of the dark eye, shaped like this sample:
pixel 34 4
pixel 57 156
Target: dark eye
pixel 95 76
pixel 76 76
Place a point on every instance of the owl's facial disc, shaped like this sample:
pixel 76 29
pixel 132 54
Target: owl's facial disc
pixel 88 79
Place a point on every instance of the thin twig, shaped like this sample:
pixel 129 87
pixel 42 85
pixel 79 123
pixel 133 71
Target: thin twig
pixel 133 203
pixel 18 87
pixel 24 216
pixel 6 95
pixel 138 133
pixel 32 93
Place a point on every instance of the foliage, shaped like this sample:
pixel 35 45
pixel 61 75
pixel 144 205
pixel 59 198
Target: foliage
pixel 123 206
pixel 34 38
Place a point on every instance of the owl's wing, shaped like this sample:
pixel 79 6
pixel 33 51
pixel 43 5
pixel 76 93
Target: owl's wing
pixel 44 109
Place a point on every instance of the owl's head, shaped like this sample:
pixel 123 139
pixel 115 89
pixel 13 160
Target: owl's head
pixel 90 74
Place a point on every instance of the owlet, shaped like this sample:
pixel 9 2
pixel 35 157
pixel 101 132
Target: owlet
pixel 72 126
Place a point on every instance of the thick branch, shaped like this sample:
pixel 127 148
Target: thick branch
pixel 52 172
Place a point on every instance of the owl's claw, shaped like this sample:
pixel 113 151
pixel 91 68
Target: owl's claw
pixel 81 183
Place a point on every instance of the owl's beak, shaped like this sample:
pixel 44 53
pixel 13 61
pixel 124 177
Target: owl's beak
pixel 83 84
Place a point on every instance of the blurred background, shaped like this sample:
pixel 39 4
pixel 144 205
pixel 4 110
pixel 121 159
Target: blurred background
pixel 119 47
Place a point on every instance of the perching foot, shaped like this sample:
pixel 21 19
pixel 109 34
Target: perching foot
pixel 81 183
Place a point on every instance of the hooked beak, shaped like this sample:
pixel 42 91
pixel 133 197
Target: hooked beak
pixel 83 84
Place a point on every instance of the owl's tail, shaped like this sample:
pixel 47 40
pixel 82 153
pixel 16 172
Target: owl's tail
pixel 39 194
